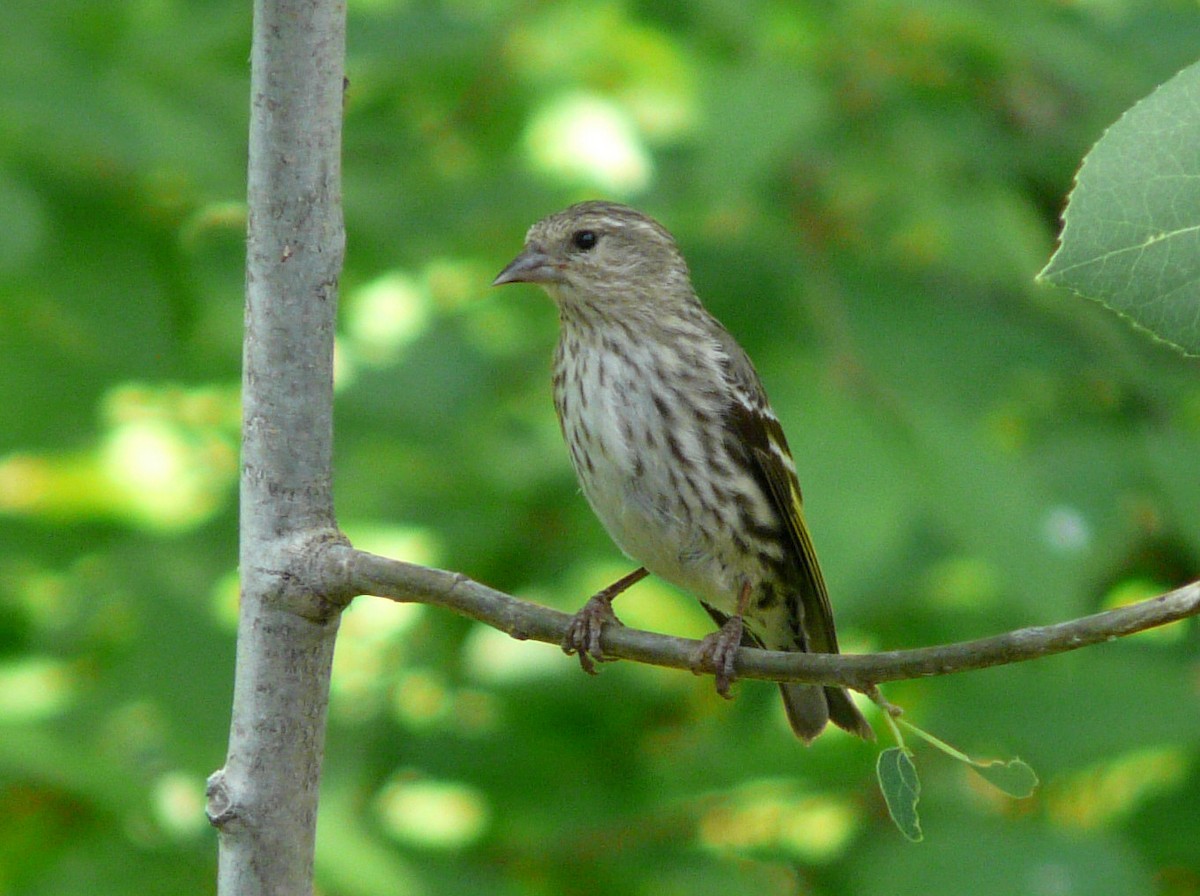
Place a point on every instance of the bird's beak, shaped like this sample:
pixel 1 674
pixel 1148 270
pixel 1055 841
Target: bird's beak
pixel 531 266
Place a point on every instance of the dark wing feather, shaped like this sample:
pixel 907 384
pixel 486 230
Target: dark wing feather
pixel 761 443
pixel 762 440
pixel 784 491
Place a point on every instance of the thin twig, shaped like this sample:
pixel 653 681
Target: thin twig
pixel 370 574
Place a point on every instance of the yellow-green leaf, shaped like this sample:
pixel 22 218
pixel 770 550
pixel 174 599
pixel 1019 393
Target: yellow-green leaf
pixel 1014 778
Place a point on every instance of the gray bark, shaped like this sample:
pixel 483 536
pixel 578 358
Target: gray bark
pixel 264 800
pixel 364 573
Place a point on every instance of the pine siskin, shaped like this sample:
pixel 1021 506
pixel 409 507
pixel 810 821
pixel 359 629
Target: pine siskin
pixel 677 450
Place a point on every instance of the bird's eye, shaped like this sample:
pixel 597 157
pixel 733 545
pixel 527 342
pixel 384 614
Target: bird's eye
pixel 584 239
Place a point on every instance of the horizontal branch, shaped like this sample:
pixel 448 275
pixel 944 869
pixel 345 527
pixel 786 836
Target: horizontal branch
pixel 365 573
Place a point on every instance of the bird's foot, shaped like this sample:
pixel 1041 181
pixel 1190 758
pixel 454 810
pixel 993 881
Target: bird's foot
pixel 718 654
pixel 585 628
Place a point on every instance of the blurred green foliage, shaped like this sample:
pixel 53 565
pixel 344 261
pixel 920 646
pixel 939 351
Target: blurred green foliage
pixel 865 191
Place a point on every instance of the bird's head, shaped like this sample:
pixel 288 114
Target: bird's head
pixel 603 255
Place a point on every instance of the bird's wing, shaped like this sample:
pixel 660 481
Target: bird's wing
pixel 785 491
pixel 766 447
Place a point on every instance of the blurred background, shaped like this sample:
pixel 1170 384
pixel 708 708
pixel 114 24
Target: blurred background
pixel 865 191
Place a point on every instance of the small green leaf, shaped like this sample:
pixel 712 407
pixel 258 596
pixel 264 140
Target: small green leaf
pixel 1014 778
pixel 901 789
pixel 1131 231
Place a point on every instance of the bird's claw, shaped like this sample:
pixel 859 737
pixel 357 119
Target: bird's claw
pixel 584 630
pixel 718 654
pixel 586 626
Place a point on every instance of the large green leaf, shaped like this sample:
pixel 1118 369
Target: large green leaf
pixel 1131 234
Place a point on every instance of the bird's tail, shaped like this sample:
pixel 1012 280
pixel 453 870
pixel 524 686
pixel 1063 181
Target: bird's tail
pixel 810 707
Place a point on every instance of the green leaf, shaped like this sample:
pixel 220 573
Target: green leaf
pixel 1131 231
pixel 901 789
pixel 1015 778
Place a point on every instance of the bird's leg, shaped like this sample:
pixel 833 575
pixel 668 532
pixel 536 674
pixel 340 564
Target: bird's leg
pixel 583 632
pixel 718 651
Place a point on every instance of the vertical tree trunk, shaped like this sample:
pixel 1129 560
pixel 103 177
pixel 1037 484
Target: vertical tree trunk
pixel 264 799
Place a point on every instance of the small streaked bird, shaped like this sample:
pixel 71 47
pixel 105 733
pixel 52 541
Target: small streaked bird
pixel 677 449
